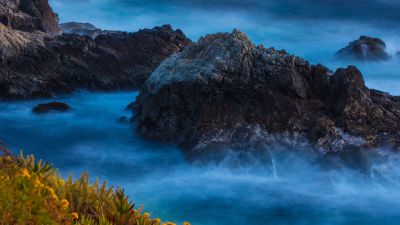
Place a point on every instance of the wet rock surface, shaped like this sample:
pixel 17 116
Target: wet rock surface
pixel 226 93
pixel 365 49
pixel 51 107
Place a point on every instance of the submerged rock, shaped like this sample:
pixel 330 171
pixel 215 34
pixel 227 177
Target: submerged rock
pixel 226 93
pixel 123 120
pixel 366 49
pixel 81 29
pixel 51 107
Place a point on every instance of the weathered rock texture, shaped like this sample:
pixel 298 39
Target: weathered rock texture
pixel 81 29
pixel 225 92
pixel 29 15
pixel 34 64
pixel 365 49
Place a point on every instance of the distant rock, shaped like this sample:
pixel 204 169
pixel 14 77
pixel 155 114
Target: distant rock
pixel 81 29
pixel 365 49
pixel 51 107
pixel 226 93
pixel 29 15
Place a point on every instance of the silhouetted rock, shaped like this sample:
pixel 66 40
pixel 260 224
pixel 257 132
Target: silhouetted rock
pixel 51 107
pixel 365 48
pixel 81 29
pixel 225 92
pixel 29 15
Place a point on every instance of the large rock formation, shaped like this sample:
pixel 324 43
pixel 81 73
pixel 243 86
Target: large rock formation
pixel 34 64
pixel 225 92
pixel 29 15
pixel 365 49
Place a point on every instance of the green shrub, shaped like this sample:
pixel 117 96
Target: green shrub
pixel 33 192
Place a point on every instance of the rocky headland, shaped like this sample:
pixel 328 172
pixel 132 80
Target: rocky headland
pixel 223 92
pixel 37 62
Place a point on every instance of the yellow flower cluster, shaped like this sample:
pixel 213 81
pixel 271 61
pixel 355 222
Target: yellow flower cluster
pixel 64 203
pixel 82 201
pixel 25 173
pixel 75 215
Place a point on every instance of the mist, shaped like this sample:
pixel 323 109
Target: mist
pixel 293 186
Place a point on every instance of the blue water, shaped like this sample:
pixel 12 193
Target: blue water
pixel 295 189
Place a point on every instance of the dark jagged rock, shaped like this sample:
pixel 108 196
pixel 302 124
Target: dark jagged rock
pixel 365 49
pixel 29 15
pixel 81 29
pixel 35 64
pixel 225 92
pixel 51 107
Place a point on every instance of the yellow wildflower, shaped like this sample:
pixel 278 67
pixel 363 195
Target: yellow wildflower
pixel 37 182
pixel 170 223
pixel 52 194
pixel 64 203
pixel 75 215
pixel 146 215
pixel 157 220
pixel 25 173
pixel 186 223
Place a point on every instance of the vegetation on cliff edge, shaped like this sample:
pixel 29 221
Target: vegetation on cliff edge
pixel 33 192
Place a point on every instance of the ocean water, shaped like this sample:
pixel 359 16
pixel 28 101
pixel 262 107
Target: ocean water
pixel 295 188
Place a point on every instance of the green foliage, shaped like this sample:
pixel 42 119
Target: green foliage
pixel 33 192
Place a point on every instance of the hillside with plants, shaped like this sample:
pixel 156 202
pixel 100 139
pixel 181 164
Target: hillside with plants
pixel 33 192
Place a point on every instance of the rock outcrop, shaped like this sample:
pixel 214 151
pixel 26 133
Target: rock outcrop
pixel 81 29
pixel 51 107
pixel 36 61
pixel 29 15
pixel 365 49
pixel 225 92
pixel 34 64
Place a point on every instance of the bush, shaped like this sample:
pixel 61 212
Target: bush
pixel 33 192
